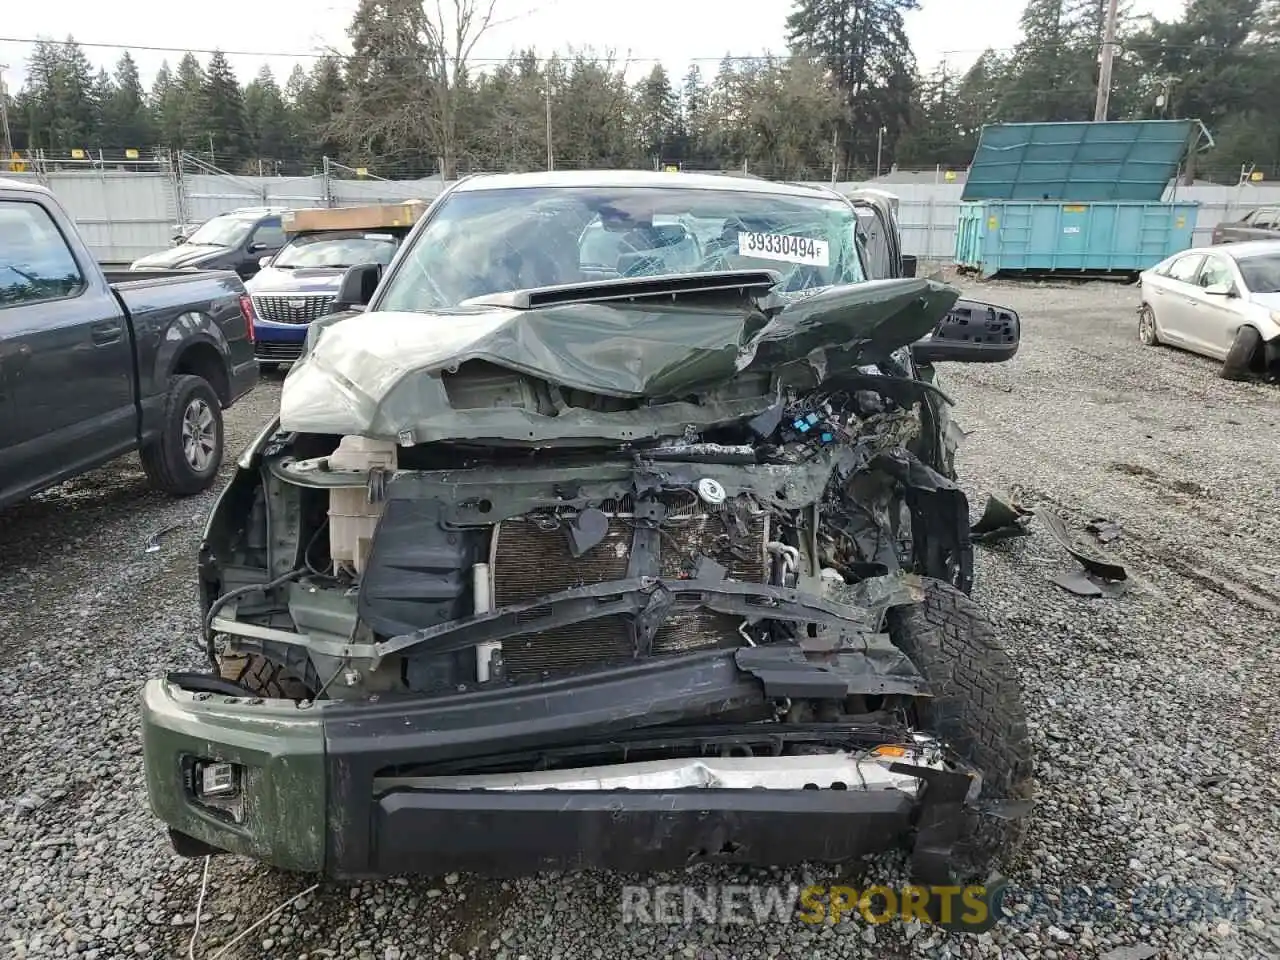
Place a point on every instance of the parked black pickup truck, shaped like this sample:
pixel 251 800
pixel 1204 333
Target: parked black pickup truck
pixel 94 364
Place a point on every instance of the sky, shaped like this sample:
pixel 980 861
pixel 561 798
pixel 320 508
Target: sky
pixel 675 32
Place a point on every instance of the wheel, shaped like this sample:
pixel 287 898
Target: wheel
pixel 1239 362
pixel 185 459
pixel 1147 326
pixel 976 708
pixel 263 676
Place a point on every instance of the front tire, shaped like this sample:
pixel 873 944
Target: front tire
pixel 186 457
pixel 263 676
pixel 1147 332
pixel 976 709
pixel 1239 362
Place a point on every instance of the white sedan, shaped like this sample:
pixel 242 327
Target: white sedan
pixel 1220 301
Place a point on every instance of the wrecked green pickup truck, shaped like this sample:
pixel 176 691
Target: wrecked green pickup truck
pixel 615 526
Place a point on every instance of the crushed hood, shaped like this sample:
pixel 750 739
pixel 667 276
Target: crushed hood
pixel 383 375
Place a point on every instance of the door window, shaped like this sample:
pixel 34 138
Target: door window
pixel 35 262
pixel 1184 269
pixel 270 234
pixel 1216 271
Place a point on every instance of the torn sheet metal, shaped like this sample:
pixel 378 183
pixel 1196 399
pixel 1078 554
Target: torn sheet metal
pixel 1094 562
pixel 1086 585
pixel 383 375
pixel 879 668
pixel 1001 519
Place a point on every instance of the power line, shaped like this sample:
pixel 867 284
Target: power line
pixel 516 58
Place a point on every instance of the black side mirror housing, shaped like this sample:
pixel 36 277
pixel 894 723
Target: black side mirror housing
pixel 357 287
pixel 973 332
pixel 909 265
pixel 257 247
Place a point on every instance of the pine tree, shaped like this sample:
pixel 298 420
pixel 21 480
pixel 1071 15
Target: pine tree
pixel 657 114
pixel 693 114
pixel 187 103
pixel 59 98
pixel 127 122
pixel 318 109
pixel 163 102
pixel 37 101
pixel 865 47
pixel 100 95
pixel 223 105
pixel 267 119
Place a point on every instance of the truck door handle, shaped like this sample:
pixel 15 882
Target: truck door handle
pixel 107 333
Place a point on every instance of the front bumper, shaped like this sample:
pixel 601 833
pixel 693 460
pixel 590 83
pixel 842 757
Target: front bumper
pixel 278 342
pixel 321 791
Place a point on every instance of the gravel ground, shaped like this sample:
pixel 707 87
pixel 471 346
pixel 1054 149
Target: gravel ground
pixel 1154 715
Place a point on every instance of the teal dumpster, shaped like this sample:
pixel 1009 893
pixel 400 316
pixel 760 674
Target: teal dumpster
pixel 1075 198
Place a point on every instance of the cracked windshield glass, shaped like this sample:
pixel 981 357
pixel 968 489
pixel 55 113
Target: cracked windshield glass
pixel 496 241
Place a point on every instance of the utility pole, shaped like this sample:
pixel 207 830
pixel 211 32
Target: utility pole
pixel 879 149
pixel 1108 57
pixel 550 155
pixel 6 138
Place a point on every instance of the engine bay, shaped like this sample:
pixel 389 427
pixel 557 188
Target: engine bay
pixel 348 562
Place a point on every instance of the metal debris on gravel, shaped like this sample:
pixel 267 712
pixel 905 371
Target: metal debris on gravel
pixel 1154 715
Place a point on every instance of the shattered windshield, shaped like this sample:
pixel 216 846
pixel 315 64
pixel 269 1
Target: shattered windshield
pixel 1261 274
pixel 337 250
pixel 480 242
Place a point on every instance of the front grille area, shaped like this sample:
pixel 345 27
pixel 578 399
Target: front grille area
pixel 529 561
pixel 275 352
pixel 294 308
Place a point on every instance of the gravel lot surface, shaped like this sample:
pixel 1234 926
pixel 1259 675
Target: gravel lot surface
pixel 1154 715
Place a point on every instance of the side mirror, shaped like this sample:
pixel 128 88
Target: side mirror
pixel 257 246
pixel 909 265
pixel 263 262
pixel 1220 290
pixel 973 332
pixel 357 287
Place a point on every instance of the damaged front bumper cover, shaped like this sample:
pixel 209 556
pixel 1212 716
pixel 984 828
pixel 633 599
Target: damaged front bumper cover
pixel 371 788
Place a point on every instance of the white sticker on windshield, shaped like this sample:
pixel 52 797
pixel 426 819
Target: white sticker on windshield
pixel 785 248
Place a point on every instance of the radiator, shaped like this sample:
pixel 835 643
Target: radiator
pixel 528 561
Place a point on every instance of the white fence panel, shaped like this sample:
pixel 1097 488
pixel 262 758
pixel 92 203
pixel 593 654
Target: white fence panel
pixel 121 215
pixel 355 192
pixel 208 195
pixel 125 215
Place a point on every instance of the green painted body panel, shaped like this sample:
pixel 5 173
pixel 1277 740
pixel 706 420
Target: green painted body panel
pixel 280 744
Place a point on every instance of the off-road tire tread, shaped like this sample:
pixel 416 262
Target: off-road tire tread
pixel 163 461
pixel 977 705
pixel 1239 362
pixel 263 677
